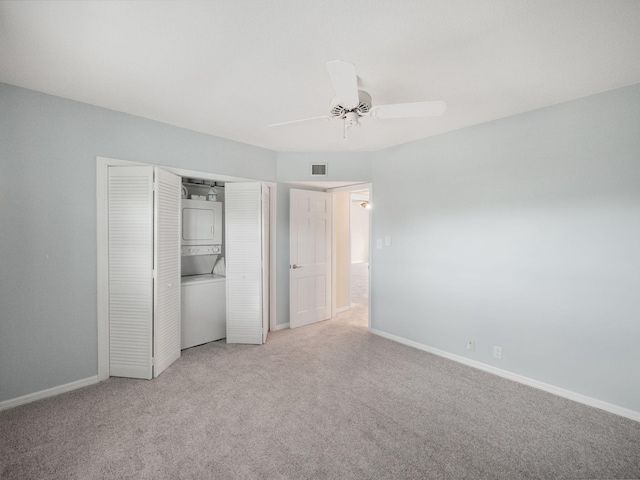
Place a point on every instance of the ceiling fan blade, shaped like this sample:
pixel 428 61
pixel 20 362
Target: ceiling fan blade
pixel 345 82
pixel 299 121
pixel 409 110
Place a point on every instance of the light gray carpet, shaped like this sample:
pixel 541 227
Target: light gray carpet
pixel 327 401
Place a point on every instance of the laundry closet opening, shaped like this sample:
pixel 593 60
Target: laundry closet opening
pixel 184 258
pixel 208 234
pixel 203 299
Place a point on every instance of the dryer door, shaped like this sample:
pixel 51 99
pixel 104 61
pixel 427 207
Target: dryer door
pixel 201 222
pixel 197 225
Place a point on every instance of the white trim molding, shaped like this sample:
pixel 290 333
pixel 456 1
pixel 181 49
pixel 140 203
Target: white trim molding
pixel 50 392
pixel 284 326
pixel 561 392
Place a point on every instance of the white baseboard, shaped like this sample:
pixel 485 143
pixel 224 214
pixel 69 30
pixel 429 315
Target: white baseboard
pixel 561 392
pixel 50 392
pixel 281 327
pixel 343 309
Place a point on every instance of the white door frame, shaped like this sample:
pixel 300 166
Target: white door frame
pixel 102 244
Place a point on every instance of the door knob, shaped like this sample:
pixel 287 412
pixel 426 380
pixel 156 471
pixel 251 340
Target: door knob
pixel 296 266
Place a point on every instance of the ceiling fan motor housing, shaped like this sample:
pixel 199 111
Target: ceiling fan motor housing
pixel 340 111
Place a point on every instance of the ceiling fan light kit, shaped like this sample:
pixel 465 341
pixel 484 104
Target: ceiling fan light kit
pixel 350 104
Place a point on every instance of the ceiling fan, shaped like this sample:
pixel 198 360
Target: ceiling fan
pixel 350 104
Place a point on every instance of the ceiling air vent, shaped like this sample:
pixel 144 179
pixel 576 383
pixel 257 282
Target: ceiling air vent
pixel 318 169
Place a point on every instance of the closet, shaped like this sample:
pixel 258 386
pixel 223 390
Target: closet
pixel 144 236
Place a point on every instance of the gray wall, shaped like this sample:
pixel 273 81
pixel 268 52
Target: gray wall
pixel 522 233
pixel 296 167
pixel 48 149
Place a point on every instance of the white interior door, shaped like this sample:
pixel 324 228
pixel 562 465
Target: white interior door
pixel 243 246
pixel 166 317
pixel 130 204
pixel 310 257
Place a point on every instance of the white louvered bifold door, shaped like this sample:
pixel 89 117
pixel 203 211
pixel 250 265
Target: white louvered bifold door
pixel 166 315
pixel 243 246
pixel 130 204
pixel 266 261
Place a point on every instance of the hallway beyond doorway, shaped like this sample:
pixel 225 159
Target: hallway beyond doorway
pixel 360 283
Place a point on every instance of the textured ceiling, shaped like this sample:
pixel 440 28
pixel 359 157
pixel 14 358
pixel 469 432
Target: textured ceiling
pixel 230 68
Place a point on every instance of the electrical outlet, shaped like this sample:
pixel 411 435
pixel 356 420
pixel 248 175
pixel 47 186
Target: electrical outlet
pixel 497 352
pixel 471 345
pixel 387 241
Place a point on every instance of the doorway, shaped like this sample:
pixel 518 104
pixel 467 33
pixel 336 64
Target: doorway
pixel 344 279
pixel 352 246
pixel 359 230
pixel 102 169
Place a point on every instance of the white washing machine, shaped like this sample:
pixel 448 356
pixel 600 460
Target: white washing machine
pixel 203 310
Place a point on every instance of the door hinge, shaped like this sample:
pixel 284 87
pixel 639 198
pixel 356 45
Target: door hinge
pixel 153 361
pixel 153 273
pixel 153 186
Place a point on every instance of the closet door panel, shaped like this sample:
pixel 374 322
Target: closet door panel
pixel 266 259
pixel 166 319
pixel 243 248
pixel 130 203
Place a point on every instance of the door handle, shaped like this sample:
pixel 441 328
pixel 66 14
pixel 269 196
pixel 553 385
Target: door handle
pixel 294 266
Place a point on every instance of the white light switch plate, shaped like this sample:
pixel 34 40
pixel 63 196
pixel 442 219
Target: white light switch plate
pixel 387 241
pixel 379 243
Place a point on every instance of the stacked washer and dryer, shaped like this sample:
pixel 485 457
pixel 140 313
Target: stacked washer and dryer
pixel 203 303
